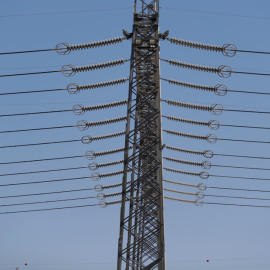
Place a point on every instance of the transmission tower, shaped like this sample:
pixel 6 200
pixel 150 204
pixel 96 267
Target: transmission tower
pixel 141 239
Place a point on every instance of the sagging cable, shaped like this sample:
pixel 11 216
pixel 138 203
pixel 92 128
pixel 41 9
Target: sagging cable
pixel 84 125
pixel 80 109
pixel 70 70
pixel 212 124
pixel 64 48
pixel 215 109
pixel 74 88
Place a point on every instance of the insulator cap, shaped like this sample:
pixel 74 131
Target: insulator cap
pixel 95 176
pixel 62 48
pixel 101 196
pixel 86 139
pixel 90 155
pixel 229 50
pixel 224 71
pixel 211 138
pixel 93 166
pixel 208 154
pixel 206 165
pixel 202 186
pixel 99 188
pixel 73 88
pixel 204 175
pixel 221 90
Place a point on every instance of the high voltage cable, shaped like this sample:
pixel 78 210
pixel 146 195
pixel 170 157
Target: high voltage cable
pixel 46 193
pixel 38 160
pixel 227 155
pixel 236 197
pixel 199 203
pixel 49 209
pixel 53 170
pixel 32 51
pixel 35 129
pixel 34 113
pixel 30 73
pixel 238 167
pixel 45 181
pixel 34 91
pixel 53 201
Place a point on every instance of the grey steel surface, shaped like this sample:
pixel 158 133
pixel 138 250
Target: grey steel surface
pixel 141 239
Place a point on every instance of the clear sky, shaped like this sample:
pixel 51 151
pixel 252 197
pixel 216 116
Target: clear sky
pixel 229 237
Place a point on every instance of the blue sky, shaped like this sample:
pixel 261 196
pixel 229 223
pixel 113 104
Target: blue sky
pixel 230 237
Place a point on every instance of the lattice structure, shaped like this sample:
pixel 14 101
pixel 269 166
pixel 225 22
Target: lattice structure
pixel 141 239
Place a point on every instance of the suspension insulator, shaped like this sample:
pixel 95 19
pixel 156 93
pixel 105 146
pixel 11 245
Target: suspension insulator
pixel 179 183
pixel 226 49
pixel 113 194
pixel 74 88
pixel 206 153
pixel 191 85
pixel 180 192
pixel 181 172
pixel 111 174
pixel 188 105
pixel 195 45
pixel 192 66
pixel 65 48
pixel 186 135
pixel 109 136
pixel 83 124
pixel 108 164
pixel 70 70
pixel 200 164
pixel 179 200
pixel 112 186
pixel 110 152
pixel 80 109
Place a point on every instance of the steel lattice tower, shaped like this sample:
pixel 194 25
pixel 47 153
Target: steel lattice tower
pixel 141 239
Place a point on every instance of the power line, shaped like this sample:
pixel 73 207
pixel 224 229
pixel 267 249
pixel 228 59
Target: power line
pixel 34 144
pixel 46 193
pixel 236 197
pixel 34 91
pixel 49 209
pixel 45 181
pixel 30 73
pixel 34 113
pixel 63 200
pixel 225 155
pixel 34 129
pixel 38 160
pixel 239 167
pixel 54 170
pixel 32 51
